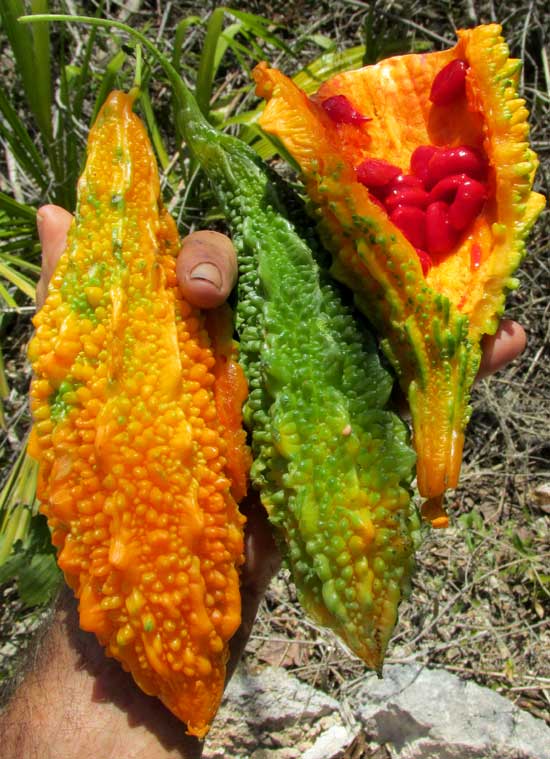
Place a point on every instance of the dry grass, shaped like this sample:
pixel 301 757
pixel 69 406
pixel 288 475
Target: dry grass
pixel 480 602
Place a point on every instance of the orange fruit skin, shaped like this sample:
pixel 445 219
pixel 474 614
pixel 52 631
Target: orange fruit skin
pixel 134 475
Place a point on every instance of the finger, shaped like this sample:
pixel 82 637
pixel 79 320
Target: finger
pixel 53 225
pixel 262 562
pixel 499 349
pixel 207 268
pixel 262 558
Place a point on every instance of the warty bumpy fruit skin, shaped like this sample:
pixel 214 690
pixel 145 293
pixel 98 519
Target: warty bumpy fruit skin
pixel 431 325
pixel 134 478
pixel 332 466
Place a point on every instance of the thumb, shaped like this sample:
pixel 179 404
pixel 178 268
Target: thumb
pixel 207 268
pixel 53 225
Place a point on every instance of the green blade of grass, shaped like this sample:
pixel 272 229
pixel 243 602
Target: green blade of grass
pixel 22 282
pixel 22 147
pixel 13 251
pixel 83 76
pixel 4 388
pixel 260 26
pixel 20 262
pixel 322 68
pixel 68 145
pixel 42 82
pixel 179 38
pixel 6 296
pixel 26 552
pixel 21 42
pixel 207 70
pixel 225 41
pixel 150 120
pixel 17 227
pixel 108 81
pixel 15 209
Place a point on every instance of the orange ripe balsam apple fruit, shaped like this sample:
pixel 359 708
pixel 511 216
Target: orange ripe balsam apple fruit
pixel 421 173
pixel 136 468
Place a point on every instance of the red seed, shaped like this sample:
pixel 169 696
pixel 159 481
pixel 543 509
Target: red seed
pixel 466 197
pixel 407 196
pixel 440 235
pixel 449 83
pixel 475 256
pixel 341 111
pixel 412 222
pixel 425 261
pixel 420 159
pixel 461 160
pixel 467 205
pixel 447 188
pixel 376 173
pixel 406 180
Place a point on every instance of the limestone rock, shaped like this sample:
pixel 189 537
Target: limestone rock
pixel 423 713
pixel 272 715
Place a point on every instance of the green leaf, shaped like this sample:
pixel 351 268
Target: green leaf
pixel 150 120
pixel 6 296
pixel 32 564
pixel 38 579
pixel 4 390
pixel 22 45
pixel 20 262
pixel 226 40
pixel 22 282
pixel 261 27
pixel 108 81
pixel 180 37
pixel 321 40
pixel 42 83
pixel 207 63
pixel 322 68
pixel 15 209
pixel 22 147
pixel 26 551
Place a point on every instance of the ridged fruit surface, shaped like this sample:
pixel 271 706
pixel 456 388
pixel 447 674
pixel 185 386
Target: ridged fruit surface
pixel 135 464
pixel 425 200
pixel 332 464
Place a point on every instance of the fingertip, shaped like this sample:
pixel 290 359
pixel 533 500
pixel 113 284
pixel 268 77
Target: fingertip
pixel 206 268
pixel 501 348
pixel 51 218
pixel 53 223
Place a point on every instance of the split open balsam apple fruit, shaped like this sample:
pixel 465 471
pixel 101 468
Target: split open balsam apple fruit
pixel 136 468
pixel 333 467
pixel 421 171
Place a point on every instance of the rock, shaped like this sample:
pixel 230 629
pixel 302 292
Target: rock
pixel 331 744
pixel 272 715
pixel 423 713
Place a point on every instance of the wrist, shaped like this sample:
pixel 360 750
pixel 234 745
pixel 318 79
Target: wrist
pixel 76 697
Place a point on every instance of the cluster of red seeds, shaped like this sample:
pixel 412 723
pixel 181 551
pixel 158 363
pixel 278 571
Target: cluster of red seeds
pixel 445 189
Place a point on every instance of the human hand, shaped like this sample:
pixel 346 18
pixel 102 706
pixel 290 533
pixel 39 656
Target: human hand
pixel 109 716
pixel 106 708
pixel 207 271
pixel 206 267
